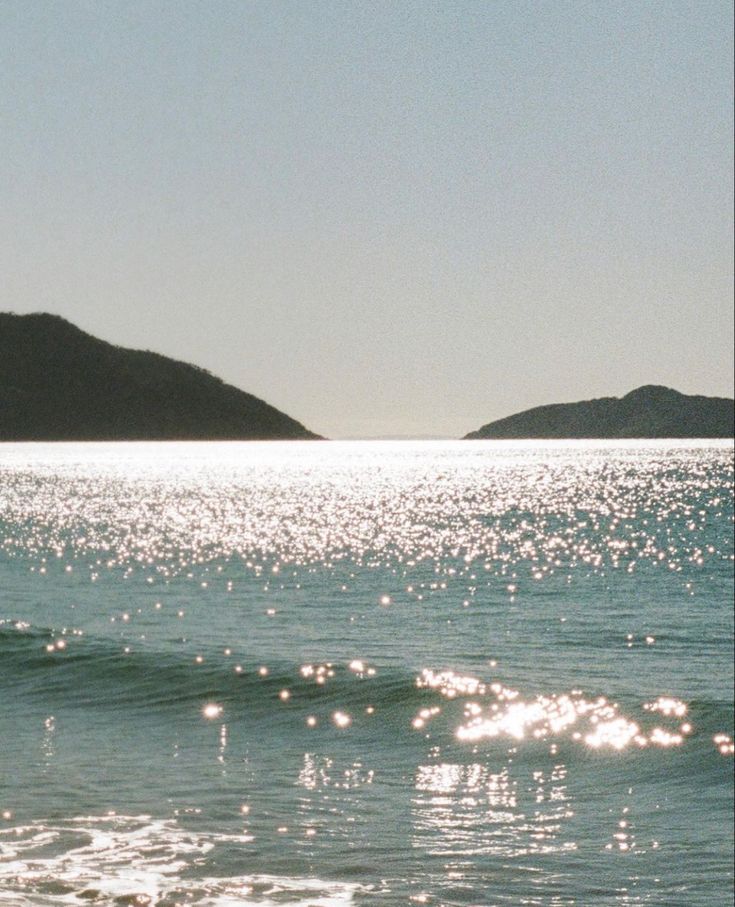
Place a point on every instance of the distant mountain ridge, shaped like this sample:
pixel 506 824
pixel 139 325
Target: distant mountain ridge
pixel 650 411
pixel 58 383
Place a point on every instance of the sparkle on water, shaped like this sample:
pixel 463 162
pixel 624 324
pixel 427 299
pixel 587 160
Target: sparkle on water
pixel 426 657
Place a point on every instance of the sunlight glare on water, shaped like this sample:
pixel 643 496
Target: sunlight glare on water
pixel 366 673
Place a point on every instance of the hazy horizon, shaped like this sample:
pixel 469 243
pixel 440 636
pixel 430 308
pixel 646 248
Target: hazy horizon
pixel 397 219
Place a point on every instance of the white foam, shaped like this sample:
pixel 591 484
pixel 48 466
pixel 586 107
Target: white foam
pixel 120 857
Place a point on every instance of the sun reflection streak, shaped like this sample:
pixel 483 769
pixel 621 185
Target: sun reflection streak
pixel 465 810
pixel 597 723
pixel 162 509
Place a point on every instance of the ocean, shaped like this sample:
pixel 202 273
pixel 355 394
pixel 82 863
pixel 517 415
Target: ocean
pixel 366 673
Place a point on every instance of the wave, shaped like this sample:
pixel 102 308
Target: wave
pixel 57 671
pixel 88 671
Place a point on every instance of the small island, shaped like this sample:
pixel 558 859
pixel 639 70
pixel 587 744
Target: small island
pixel 647 412
pixel 58 383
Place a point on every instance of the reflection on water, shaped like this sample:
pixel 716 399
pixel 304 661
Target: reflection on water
pixel 369 674
pixel 463 810
pixel 598 723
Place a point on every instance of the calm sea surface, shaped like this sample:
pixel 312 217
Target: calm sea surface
pixel 371 673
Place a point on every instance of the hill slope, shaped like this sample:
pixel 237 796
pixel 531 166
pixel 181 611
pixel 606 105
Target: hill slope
pixel 647 412
pixel 58 383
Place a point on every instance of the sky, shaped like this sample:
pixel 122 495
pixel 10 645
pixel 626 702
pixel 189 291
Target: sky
pixel 385 218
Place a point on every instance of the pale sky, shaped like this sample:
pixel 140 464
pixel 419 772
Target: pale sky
pixel 384 218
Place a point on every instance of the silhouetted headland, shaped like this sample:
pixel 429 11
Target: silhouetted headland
pixel 647 412
pixel 58 383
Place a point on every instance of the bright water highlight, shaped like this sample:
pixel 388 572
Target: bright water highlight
pixel 371 673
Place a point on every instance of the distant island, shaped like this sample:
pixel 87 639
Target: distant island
pixel 647 412
pixel 58 383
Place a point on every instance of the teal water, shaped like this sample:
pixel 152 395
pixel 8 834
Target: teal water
pixel 366 673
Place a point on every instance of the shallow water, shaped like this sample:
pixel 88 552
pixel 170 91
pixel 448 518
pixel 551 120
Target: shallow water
pixel 366 673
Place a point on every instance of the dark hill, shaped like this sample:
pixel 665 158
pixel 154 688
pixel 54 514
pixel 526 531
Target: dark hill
pixel 59 384
pixel 648 412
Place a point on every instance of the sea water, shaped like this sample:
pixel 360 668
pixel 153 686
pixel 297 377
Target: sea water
pixel 437 673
